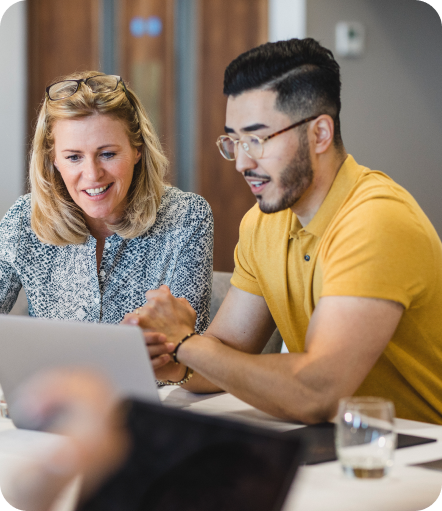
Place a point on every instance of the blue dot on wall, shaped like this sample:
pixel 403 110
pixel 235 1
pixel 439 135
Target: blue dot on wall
pixel 137 27
pixel 153 26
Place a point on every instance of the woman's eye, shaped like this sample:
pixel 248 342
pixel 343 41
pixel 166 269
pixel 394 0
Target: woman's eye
pixel 73 157
pixel 108 155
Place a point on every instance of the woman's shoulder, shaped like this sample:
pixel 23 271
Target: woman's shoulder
pixel 19 212
pixel 16 221
pixel 177 204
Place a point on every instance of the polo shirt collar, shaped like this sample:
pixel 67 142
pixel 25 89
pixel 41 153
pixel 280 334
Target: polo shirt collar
pixel 344 181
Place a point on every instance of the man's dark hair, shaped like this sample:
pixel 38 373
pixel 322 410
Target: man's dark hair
pixel 304 75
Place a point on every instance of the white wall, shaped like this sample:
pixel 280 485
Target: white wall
pixel 287 19
pixel 12 104
pixel 391 96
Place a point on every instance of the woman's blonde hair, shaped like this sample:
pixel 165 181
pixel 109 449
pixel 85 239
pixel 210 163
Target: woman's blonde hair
pixel 55 217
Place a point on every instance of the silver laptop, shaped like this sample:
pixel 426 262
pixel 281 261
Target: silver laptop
pixel 31 345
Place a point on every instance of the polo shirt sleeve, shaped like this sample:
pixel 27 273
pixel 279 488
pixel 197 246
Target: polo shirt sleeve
pixel 244 276
pixel 378 249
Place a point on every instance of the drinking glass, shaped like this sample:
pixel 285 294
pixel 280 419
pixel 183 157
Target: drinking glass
pixel 365 437
pixel 3 406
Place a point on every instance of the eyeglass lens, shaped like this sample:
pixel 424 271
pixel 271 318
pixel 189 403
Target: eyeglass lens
pixel 97 84
pixel 249 143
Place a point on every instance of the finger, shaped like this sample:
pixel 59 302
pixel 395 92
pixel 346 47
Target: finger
pixel 160 349
pixel 161 361
pixel 131 319
pixel 154 338
pixel 162 292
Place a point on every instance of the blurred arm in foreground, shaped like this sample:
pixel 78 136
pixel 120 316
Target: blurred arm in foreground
pixel 80 406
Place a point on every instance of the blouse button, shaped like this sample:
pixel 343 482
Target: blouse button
pixel 107 245
pixel 102 273
pixel 97 300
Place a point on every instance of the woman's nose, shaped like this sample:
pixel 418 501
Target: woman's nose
pixel 93 170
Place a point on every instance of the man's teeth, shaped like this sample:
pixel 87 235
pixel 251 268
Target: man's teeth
pixel 96 191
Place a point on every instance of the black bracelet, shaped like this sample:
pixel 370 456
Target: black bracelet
pixel 175 351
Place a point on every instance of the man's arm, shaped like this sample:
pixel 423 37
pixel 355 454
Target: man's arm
pixel 345 337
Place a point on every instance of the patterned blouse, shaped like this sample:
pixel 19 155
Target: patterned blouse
pixel 62 282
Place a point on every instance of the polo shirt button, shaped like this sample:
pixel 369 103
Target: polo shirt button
pixel 102 273
pixel 307 257
pixel 97 300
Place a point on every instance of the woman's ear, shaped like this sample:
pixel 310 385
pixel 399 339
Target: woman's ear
pixel 138 155
pixel 55 165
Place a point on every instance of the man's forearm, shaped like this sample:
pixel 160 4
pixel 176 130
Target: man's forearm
pixel 272 383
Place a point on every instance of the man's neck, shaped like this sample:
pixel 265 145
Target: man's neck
pixel 325 169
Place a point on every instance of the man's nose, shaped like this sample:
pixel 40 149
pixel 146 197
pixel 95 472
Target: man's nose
pixel 244 162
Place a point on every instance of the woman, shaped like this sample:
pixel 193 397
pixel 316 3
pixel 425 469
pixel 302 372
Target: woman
pixel 100 227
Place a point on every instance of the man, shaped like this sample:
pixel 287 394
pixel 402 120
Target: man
pixel 340 258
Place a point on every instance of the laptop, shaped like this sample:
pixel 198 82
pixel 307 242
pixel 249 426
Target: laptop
pixel 183 461
pixel 31 345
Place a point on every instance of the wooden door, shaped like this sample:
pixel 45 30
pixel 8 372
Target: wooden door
pixel 146 36
pixel 62 38
pixel 227 28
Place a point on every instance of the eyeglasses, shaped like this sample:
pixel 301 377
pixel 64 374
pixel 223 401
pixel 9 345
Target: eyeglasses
pixel 97 84
pixel 252 144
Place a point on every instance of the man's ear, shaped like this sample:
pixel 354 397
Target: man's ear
pixel 324 131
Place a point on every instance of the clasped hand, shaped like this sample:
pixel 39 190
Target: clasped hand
pixel 165 320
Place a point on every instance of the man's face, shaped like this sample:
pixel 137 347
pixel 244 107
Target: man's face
pixel 284 172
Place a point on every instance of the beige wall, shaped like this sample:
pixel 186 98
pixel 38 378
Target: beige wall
pixel 392 96
pixel 12 104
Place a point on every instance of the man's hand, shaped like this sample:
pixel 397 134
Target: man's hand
pixel 173 317
pixel 165 320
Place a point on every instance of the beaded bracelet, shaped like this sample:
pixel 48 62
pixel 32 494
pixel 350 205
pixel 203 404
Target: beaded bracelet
pixel 187 376
pixel 175 351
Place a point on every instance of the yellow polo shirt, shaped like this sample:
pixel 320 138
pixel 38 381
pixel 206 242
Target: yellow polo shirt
pixel 369 238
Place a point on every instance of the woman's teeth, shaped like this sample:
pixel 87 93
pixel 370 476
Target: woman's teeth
pixel 257 183
pixel 96 191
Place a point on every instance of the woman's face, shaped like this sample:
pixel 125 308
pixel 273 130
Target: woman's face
pixel 96 161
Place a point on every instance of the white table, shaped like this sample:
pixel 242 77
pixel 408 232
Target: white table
pixel 317 488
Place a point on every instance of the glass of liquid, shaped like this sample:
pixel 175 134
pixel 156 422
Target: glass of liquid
pixel 4 413
pixel 365 437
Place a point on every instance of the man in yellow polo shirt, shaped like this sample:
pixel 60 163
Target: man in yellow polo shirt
pixel 340 258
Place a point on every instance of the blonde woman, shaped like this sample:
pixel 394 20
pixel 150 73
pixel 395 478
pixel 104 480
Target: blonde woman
pixel 100 227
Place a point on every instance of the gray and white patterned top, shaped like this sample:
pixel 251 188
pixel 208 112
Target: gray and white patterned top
pixel 62 282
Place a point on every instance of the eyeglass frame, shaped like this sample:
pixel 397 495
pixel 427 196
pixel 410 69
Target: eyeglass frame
pixel 84 80
pixel 262 140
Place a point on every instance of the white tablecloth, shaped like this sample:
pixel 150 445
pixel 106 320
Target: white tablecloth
pixel 316 488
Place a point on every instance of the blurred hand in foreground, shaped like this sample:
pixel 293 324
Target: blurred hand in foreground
pixel 81 406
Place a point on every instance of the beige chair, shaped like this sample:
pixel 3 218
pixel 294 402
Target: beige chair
pixel 21 305
pixel 221 284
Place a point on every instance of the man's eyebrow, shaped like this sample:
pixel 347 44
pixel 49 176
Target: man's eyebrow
pixel 254 127
pixel 247 129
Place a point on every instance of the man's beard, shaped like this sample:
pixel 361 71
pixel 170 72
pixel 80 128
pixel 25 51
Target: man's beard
pixel 294 179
